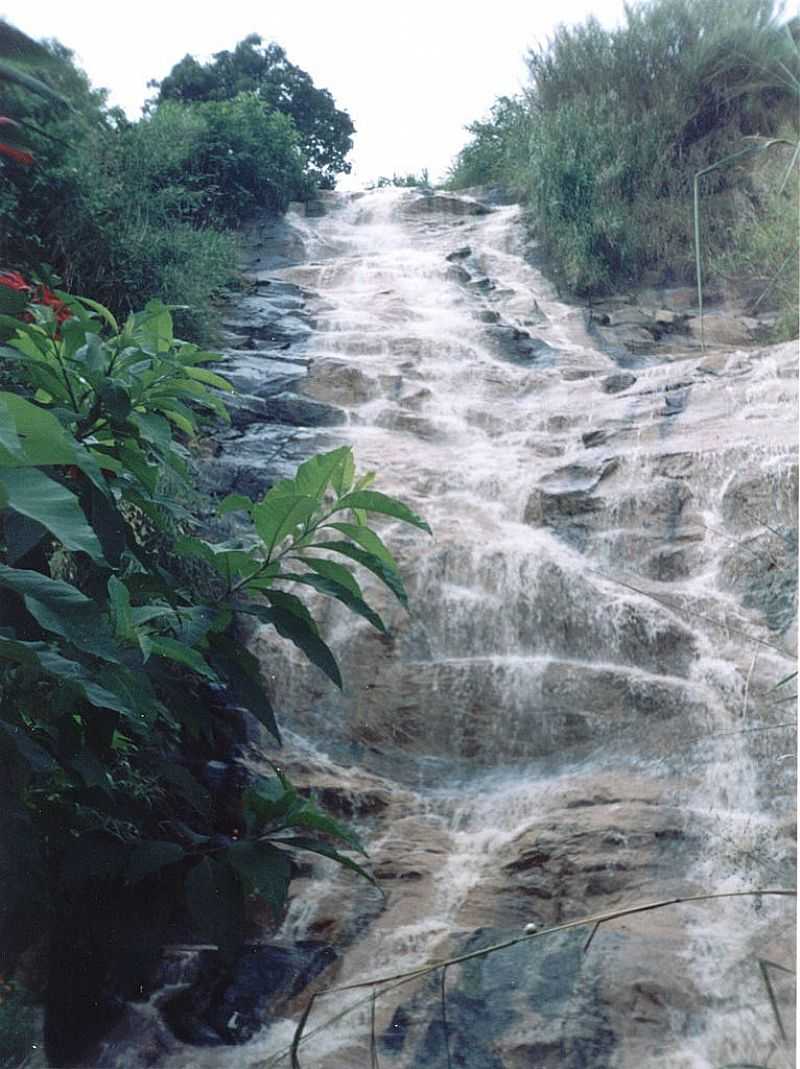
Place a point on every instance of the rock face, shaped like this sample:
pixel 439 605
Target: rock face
pixel 570 720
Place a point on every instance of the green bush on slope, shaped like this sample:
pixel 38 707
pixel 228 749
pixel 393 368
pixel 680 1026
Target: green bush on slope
pixel 616 123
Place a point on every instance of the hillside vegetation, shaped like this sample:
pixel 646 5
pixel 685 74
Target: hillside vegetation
pixel 125 211
pixel 604 143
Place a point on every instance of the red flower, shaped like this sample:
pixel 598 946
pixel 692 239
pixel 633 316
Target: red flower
pixel 14 152
pixel 13 280
pixel 46 296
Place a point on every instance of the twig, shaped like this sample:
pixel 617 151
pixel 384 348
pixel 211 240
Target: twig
pixel 762 964
pixel 373 1043
pixel 747 685
pixel 445 1026
pixel 395 980
pixel 592 934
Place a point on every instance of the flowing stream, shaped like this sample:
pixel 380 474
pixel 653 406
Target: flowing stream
pixel 572 718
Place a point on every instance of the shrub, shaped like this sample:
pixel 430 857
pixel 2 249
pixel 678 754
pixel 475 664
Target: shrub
pixel 615 123
pixel 118 668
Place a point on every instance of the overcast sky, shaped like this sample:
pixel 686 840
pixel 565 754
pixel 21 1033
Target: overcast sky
pixel 411 74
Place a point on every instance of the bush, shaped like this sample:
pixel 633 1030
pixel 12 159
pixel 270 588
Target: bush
pixel 606 142
pixel 120 666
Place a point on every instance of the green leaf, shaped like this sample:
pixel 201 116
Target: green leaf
pixel 34 495
pixel 277 515
pixel 34 755
pixel 241 671
pixel 329 569
pixel 283 600
pixel 368 539
pixel 21 534
pixel 342 593
pixel 62 609
pixel 267 801
pixel 12 302
pixel 72 299
pixel 235 503
pixel 372 563
pixel 317 846
pixel 265 871
pixel 120 602
pixel 209 378
pixel 289 626
pixel 215 901
pixel 41 438
pixel 372 501
pixel 182 654
pixel 115 401
pixel 153 428
pixel 51 663
pixel 149 857
pixel 315 820
pixel 342 478
pixel 314 475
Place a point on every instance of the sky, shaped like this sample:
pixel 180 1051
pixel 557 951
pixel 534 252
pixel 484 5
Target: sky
pixel 412 74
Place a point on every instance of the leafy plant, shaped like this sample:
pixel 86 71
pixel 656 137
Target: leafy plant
pixel 119 660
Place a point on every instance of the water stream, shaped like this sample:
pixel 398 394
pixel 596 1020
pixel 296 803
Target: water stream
pixel 566 721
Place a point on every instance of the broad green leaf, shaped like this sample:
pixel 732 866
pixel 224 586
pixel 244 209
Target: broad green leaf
pixel 297 631
pixel 317 846
pixel 240 669
pixel 374 564
pixel 31 493
pixel 72 299
pixel 153 428
pixel 182 654
pixel 277 516
pixel 120 602
pixel 329 569
pixel 149 857
pixel 235 503
pixel 12 302
pixel 42 439
pixel 342 478
pixel 372 501
pixel 62 609
pixel 215 901
pixel 314 475
pixel 368 539
pixel 265 871
pixel 40 655
pixel 269 800
pixel 209 378
pixel 283 600
pixel 34 755
pixel 309 816
pixel 342 593
pixel 115 401
pixel 21 534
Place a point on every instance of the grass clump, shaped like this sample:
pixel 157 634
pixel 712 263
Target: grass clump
pixel 605 141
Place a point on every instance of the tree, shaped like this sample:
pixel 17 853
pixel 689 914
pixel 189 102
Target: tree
pixel 325 131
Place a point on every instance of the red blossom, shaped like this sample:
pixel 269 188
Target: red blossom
pixel 13 280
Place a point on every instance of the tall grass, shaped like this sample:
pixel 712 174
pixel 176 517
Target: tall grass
pixel 604 144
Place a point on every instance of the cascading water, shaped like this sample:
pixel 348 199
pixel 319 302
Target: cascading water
pixel 570 720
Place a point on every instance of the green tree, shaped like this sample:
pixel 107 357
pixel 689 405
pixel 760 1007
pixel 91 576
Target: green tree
pixel 326 132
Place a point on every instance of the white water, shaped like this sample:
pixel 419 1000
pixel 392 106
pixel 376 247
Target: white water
pixel 468 716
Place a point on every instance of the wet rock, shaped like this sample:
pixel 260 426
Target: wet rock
pixel 722 329
pixel 410 422
pixel 519 346
pixel 442 202
pixel 339 383
pixel 617 381
pixel 459 254
pixel 568 492
pixel 230 1004
pixel 458 274
pixel 591 439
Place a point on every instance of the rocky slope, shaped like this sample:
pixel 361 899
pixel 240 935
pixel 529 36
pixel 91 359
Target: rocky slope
pixel 579 713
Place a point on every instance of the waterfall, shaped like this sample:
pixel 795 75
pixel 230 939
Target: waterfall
pixel 572 717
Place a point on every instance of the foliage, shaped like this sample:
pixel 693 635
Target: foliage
pixel 325 132
pixel 127 211
pixel 407 181
pixel 615 123
pixel 498 150
pixel 118 669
